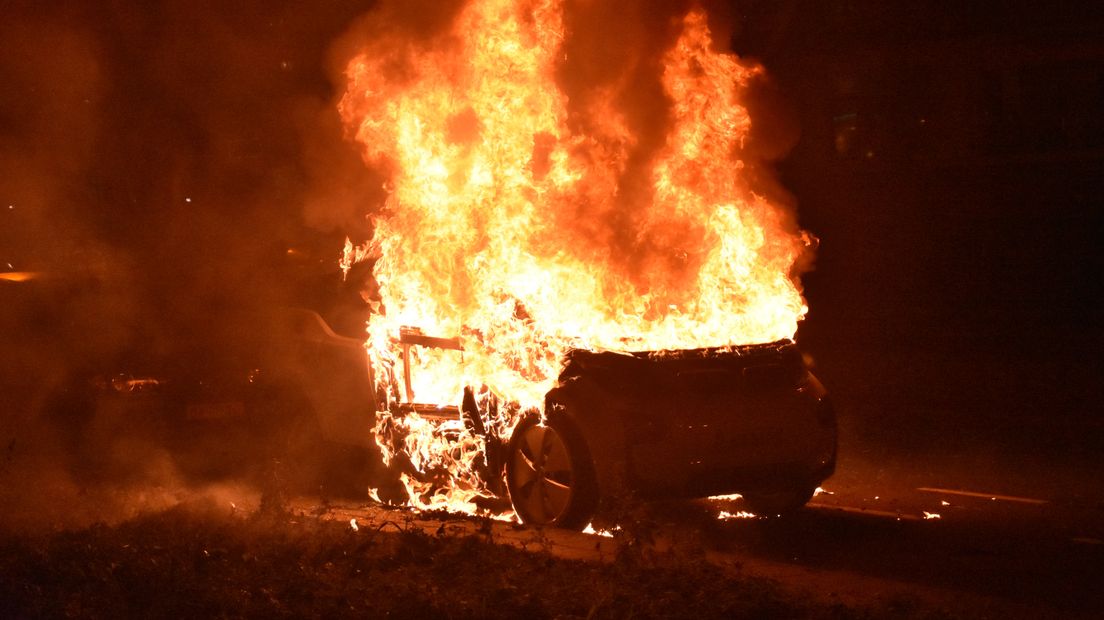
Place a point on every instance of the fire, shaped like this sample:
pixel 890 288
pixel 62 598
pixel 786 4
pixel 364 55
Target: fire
pixel 19 276
pixel 526 226
pixel 724 515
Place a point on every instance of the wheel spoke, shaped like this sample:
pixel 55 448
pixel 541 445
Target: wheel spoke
pixel 555 456
pixel 529 459
pixel 524 472
pixel 534 441
pixel 534 503
pixel 562 478
pixel 556 496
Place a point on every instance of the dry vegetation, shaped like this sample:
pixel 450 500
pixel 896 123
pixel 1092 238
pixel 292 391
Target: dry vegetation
pixel 199 560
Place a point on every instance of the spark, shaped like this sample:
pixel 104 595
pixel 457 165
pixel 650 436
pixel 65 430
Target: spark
pixel 353 524
pixel 932 515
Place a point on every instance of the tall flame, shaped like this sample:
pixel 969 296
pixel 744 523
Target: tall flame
pixel 509 223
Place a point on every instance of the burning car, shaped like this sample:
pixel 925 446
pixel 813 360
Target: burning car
pixel 750 419
pixel 600 249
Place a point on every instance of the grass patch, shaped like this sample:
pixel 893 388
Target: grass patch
pixel 202 561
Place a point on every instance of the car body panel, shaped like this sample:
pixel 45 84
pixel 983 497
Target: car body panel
pixel 335 376
pixel 703 422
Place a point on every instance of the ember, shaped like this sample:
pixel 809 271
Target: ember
pixel 523 223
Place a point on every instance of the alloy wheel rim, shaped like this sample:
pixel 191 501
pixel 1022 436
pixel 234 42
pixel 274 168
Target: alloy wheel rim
pixel 543 478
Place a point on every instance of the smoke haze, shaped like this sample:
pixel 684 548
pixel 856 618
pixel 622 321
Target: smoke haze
pixel 157 159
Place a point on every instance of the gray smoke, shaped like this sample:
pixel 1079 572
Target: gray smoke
pixel 157 159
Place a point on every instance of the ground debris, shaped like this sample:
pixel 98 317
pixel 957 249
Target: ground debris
pixel 198 561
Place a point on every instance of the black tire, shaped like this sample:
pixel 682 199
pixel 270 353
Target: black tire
pixel 550 474
pixel 777 502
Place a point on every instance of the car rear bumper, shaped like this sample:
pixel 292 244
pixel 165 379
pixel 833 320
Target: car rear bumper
pixel 790 445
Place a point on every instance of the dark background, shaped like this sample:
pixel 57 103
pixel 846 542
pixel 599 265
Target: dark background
pixel 950 161
pixel 947 155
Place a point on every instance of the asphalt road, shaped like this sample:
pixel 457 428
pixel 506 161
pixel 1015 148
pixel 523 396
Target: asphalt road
pixel 1037 551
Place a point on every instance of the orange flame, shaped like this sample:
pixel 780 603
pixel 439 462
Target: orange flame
pixel 506 223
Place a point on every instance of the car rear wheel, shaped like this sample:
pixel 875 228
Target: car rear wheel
pixel 550 475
